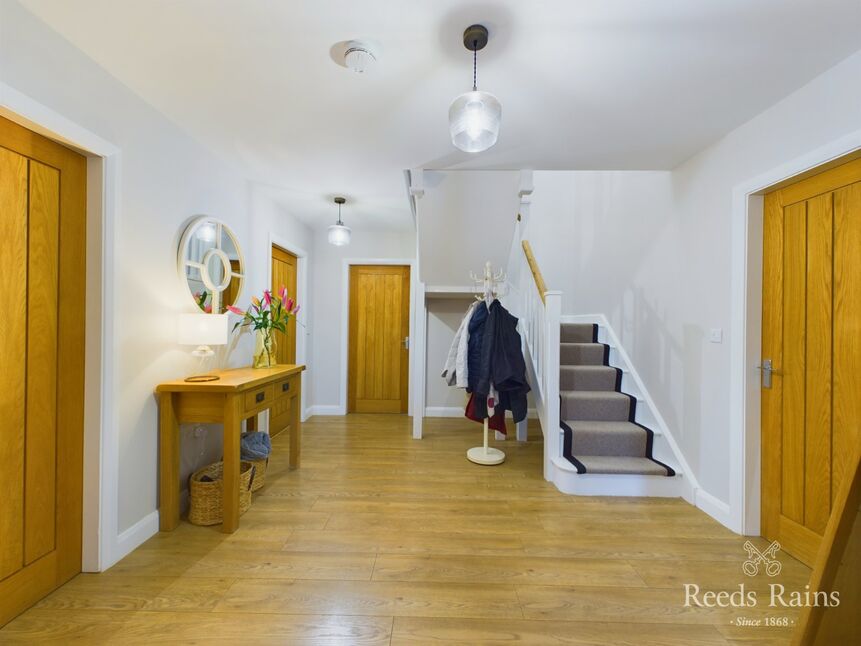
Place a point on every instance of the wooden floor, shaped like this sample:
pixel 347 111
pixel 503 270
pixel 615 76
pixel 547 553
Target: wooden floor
pixel 381 539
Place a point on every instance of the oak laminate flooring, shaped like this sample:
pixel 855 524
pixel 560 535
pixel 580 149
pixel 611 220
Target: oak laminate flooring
pixel 415 631
pixel 381 539
pixel 714 575
pixel 288 565
pixel 592 603
pixel 371 598
pixel 140 627
pixel 409 542
pixel 94 592
pixel 494 569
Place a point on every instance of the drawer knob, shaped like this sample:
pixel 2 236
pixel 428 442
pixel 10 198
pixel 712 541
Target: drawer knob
pixel 259 397
pixel 285 386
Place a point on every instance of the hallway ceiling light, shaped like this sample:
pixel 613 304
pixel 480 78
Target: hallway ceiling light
pixel 474 117
pixel 339 233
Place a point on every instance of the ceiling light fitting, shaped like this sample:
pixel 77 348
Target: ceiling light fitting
pixel 339 233
pixel 359 57
pixel 474 117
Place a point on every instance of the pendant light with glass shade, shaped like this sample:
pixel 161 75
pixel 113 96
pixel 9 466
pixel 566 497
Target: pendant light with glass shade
pixel 339 233
pixel 474 117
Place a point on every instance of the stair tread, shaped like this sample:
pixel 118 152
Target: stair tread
pixel 604 426
pixel 594 394
pixel 621 465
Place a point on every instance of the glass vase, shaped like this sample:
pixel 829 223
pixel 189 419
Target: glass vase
pixel 264 349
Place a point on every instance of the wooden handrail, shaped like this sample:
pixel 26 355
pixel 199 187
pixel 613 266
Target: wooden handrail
pixel 536 272
pixel 816 624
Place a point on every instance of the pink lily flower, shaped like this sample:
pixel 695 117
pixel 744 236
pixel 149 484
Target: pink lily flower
pixel 235 310
pixel 208 308
pixel 296 311
pixel 267 297
pixel 289 305
pixel 283 293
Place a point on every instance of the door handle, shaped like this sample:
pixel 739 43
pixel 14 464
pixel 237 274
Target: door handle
pixel 768 370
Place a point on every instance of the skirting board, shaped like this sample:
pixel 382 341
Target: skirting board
pixel 457 411
pixel 335 409
pixel 131 539
pixel 717 509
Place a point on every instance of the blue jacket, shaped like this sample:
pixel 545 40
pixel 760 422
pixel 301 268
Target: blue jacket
pixel 499 362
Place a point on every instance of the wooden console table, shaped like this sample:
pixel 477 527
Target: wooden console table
pixel 238 394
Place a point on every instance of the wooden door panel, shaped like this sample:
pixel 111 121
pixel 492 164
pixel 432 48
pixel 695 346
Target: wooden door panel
pixel 43 282
pixel 284 272
pixel 379 323
pixel 812 332
pixel 42 329
pixel 794 322
pixel 817 440
pixel 13 339
pixel 847 331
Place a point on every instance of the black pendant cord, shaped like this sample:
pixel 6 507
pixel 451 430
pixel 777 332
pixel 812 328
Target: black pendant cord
pixel 474 64
pixel 339 216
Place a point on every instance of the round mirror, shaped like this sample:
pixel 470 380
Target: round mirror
pixel 211 264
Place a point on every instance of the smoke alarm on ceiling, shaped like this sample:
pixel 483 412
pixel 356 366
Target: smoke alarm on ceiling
pixel 359 57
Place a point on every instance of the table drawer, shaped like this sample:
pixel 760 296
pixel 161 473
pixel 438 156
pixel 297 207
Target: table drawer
pixel 286 387
pixel 259 398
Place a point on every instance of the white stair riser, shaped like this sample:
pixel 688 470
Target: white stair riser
pixel 568 481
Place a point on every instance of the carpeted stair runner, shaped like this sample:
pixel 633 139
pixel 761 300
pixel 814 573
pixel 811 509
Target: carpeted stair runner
pixel 600 434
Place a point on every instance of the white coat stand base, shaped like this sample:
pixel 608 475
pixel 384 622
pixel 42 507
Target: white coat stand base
pixel 486 455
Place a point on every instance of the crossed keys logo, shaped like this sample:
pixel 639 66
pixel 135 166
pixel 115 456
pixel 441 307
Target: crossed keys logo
pixel 766 557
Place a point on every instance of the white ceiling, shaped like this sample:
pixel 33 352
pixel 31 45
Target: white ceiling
pixel 588 84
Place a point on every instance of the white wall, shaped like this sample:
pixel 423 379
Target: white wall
pixel 444 317
pixel 465 218
pixel 330 306
pixel 166 179
pixel 652 251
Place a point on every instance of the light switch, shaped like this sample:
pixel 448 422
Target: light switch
pixel 716 335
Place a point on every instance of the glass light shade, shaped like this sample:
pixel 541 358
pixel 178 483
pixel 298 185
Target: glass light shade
pixel 202 329
pixel 339 235
pixel 473 121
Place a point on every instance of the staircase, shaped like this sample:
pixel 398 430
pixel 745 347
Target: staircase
pixel 603 435
pixel 598 420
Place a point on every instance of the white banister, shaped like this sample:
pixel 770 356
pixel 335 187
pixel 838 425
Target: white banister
pixel 541 312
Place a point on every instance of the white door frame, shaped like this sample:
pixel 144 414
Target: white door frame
pixel 746 331
pixel 345 322
pixel 302 259
pixel 102 545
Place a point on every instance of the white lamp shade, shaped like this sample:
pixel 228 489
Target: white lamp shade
pixel 339 235
pixel 474 120
pixel 202 329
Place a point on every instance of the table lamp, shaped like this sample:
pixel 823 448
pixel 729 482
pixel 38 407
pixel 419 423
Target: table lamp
pixel 203 331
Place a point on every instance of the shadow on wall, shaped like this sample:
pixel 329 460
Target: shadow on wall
pixel 665 365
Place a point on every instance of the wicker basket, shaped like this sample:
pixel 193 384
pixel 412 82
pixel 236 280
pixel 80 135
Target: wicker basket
pixel 205 498
pixel 259 473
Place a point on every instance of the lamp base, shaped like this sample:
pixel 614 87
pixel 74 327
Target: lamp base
pixel 198 379
pixel 203 351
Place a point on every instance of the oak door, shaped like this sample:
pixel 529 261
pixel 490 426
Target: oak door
pixel 284 265
pixel 378 342
pixel 42 282
pixel 811 414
